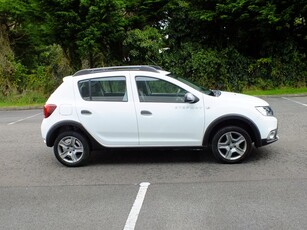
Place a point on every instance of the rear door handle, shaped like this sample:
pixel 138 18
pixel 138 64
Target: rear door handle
pixel 146 113
pixel 86 112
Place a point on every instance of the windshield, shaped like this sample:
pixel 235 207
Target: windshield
pixel 193 85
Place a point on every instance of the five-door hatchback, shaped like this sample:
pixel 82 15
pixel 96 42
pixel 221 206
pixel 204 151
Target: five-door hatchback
pixel 145 106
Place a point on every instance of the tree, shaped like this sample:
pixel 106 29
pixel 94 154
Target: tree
pixel 252 26
pixel 144 46
pixel 250 42
pixel 89 31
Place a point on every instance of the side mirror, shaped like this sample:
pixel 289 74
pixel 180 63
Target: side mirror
pixel 190 98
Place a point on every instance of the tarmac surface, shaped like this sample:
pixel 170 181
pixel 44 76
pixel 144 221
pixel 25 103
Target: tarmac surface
pixel 187 190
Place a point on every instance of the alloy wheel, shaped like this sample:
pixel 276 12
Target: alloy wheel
pixel 70 149
pixel 232 145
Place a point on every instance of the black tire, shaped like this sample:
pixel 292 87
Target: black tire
pixel 71 149
pixel 231 144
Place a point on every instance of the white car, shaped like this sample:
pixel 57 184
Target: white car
pixel 145 106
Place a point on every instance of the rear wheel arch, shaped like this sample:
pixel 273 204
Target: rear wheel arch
pixel 65 126
pixel 232 120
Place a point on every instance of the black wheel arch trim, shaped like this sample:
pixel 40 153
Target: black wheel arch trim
pixel 231 120
pixel 71 125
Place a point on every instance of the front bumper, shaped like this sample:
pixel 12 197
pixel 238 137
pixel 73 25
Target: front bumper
pixel 272 137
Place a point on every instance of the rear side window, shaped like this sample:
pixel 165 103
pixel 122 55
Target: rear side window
pixel 104 89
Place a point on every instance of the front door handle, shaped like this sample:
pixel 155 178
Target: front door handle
pixel 146 113
pixel 86 112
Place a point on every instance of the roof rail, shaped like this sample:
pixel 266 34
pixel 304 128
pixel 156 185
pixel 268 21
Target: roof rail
pixel 148 68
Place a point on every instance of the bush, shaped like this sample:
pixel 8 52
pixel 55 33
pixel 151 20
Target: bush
pixel 19 84
pixel 53 66
pixel 219 69
pixel 287 67
pixel 228 69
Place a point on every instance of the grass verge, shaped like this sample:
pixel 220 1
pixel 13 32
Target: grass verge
pixel 280 91
pixel 27 99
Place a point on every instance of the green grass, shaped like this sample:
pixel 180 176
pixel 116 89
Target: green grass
pixel 28 99
pixel 281 91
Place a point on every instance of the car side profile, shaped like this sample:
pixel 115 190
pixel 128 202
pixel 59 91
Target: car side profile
pixel 145 106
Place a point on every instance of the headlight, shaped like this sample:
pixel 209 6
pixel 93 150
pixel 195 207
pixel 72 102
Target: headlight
pixel 265 110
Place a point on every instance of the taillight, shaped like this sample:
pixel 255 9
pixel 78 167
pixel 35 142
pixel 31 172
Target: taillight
pixel 48 109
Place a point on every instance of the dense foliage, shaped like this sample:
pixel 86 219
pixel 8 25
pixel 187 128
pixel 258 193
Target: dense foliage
pixel 226 44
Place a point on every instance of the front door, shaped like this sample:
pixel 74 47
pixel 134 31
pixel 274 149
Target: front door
pixel 164 118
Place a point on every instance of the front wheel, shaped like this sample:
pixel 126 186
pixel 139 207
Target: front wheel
pixel 231 144
pixel 71 149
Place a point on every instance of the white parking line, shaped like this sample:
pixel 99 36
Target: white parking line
pixel 14 122
pixel 136 208
pixel 297 102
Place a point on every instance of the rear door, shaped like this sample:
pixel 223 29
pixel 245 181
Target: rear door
pixel 105 108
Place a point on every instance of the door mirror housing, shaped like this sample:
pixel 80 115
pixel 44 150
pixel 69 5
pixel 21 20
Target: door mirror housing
pixel 190 98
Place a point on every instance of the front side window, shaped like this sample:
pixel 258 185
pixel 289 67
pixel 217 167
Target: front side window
pixel 104 89
pixel 156 90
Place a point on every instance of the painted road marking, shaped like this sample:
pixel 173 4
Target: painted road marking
pixel 14 122
pixel 297 102
pixel 136 208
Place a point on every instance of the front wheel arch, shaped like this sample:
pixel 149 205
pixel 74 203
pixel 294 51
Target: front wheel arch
pixel 232 120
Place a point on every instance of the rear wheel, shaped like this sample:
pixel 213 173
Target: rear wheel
pixel 71 149
pixel 231 144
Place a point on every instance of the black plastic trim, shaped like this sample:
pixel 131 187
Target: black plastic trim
pixel 266 142
pixel 52 134
pixel 232 118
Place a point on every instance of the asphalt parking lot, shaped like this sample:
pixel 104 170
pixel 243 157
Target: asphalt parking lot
pixel 187 190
